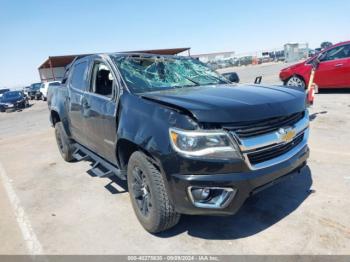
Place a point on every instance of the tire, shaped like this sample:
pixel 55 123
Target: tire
pixel 296 81
pixel 65 145
pixel 149 196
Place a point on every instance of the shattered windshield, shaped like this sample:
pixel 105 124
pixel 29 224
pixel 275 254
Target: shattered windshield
pixel 153 73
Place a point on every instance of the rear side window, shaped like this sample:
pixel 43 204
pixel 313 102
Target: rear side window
pixel 78 76
pixel 55 84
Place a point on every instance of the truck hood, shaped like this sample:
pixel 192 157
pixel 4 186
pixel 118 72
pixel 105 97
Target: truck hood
pixel 11 100
pixel 232 103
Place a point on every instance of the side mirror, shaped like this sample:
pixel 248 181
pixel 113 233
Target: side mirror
pixel 233 77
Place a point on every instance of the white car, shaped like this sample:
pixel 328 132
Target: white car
pixel 45 87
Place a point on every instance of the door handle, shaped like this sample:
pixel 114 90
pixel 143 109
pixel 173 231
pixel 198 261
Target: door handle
pixel 338 65
pixel 85 103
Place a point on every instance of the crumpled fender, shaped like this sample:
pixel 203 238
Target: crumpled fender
pixel 146 123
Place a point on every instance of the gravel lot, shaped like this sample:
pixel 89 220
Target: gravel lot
pixel 52 207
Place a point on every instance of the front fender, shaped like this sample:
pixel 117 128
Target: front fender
pixel 146 124
pixel 58 104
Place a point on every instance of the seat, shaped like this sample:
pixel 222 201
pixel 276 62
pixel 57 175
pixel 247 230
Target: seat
pixel 103 83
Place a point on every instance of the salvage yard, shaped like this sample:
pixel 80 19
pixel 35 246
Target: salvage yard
pixel 49 206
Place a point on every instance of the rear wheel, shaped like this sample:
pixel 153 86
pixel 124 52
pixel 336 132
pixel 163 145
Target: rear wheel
pixel 149 196
pixel 296 81
pixel 64 143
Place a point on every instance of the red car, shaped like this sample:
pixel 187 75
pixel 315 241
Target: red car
pixel 333 70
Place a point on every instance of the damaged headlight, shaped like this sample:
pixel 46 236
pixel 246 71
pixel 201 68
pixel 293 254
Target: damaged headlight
pixel 205 144
pixel 9 105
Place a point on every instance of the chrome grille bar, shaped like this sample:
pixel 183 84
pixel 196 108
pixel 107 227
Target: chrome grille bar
pixel 267 142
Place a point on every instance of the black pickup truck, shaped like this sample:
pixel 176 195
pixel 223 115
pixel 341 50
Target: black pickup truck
pixel 186 139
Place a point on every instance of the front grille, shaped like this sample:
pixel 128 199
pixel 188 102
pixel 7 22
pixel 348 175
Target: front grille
pixel 273 152
pixel 250 129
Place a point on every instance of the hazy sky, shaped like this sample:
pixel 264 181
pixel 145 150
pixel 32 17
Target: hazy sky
pixel 30 31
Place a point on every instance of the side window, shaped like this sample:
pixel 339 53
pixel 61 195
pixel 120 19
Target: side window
pixel 102 80
pixel 55 84
pixel 78 76
pixel 337 53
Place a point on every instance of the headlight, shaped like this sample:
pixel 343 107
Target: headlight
pixel 9 104
pixel 205 144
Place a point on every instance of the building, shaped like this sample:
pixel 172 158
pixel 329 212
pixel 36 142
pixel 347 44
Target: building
pixel 296 51
pixel 214 57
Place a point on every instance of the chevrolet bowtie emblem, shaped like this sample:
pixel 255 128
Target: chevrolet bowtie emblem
pixel 286 134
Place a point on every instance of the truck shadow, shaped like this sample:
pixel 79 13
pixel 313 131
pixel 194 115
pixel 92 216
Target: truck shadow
pixel 313 116
pixel 334 91
pixel 257 214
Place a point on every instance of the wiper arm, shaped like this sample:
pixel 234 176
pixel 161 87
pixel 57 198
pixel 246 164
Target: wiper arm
pixel 219 79
pixel 194 82
pixel 189 79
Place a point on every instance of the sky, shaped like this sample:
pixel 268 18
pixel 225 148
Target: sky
pixel 32 30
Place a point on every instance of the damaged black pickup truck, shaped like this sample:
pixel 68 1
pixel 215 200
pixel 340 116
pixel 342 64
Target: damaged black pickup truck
pixel 186 139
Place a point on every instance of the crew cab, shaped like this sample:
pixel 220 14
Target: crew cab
pixel 186 139
pixel 333 70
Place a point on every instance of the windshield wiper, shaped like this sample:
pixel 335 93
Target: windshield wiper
pixel 194 82
pixel 219 79
pixel 189 79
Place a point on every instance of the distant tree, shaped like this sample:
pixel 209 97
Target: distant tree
pixel 325 44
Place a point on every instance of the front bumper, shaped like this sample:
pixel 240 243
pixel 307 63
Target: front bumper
pixel 13 106
pixel 246 184
pixel 285 75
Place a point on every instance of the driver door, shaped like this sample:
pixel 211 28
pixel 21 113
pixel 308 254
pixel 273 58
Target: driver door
pixel 100 107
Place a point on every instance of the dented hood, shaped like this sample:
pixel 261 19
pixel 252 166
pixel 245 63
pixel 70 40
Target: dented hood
pixel 232 103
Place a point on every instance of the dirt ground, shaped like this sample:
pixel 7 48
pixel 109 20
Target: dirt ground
pixel 48 206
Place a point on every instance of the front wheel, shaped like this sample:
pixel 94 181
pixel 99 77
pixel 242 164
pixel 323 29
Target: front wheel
pixel 64 143
pixel 149 196
pixel 296 81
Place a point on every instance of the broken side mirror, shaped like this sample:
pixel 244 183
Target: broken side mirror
pixel 233 77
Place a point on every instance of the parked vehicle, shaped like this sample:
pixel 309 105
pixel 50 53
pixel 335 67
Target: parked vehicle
pixel 34 91
pixel 186 139
pixel 2 91
pixel 45 87
pixel 12 100
pixel 25 91
pixel 333 70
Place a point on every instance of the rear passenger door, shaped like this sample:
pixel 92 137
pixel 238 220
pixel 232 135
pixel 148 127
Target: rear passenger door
pixel 76 87
pixel 101 99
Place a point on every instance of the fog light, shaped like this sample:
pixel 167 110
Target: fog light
pixel 201 193
pixel 211 197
